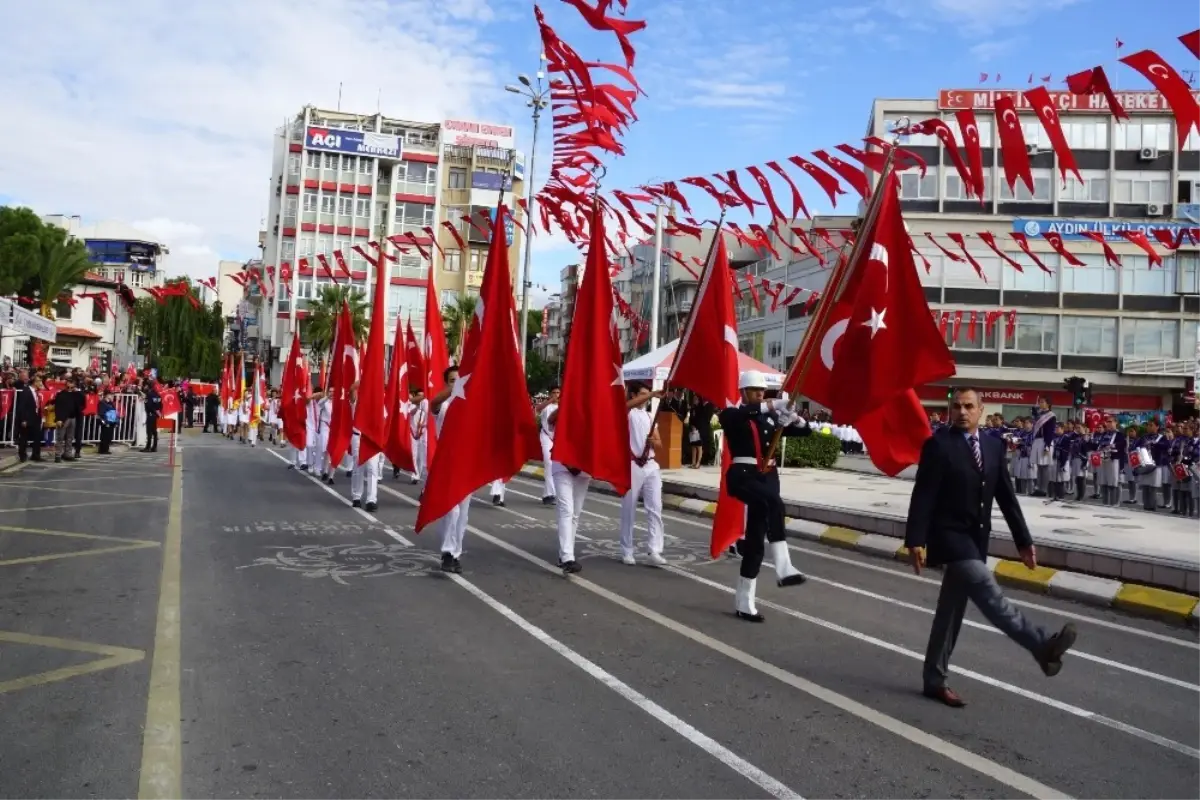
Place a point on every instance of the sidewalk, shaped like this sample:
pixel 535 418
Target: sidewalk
pixel 1107 573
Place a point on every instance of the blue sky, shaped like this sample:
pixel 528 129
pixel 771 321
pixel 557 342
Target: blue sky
pixel 177 139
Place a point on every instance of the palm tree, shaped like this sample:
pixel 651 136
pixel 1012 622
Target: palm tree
pixel 61 262
pixel 318 327
pixel 456 317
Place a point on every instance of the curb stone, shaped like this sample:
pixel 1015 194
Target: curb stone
pixel 1132 598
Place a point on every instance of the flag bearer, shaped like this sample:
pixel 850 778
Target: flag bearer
pixel 645 479
pixel 749 429
pixel 570 491
pixel 546 436
pixel 364 479
pixel 418 419
pixel 324 419
pixel 498 493
pixel 454 524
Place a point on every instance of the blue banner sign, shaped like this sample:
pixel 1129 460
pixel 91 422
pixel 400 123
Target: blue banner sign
pixel 1073 228
pixel 355 143
pixel 493 181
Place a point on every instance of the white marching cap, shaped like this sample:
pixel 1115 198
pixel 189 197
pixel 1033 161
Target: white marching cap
pixel 752 379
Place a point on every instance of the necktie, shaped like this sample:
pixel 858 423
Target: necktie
pixel 978 454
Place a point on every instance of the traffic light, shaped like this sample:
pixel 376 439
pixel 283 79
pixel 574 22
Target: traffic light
pixel 1081 393
pixel 106 362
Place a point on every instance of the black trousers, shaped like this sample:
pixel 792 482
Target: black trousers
pixel 106 437
pixel 29 438
pixel 151 433
pixel 764 512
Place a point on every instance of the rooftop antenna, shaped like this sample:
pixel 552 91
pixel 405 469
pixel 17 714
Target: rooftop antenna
pixel 379 101
pixel 339 104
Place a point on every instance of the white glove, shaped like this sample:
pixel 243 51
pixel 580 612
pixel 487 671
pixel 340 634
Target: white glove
pixel 788 419
pixel 779 406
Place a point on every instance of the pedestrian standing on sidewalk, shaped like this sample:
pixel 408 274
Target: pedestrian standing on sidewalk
pixel 153 409
pixel 107 415
pixel 959 476
pixel 66 403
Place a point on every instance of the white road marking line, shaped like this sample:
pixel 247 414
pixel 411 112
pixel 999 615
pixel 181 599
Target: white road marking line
pixel 716 750
pixel 713 748
pixel 908 575
pixel 1082 713
pixel 1073 710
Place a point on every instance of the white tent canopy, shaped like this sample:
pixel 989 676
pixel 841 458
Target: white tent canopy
pixel 655 366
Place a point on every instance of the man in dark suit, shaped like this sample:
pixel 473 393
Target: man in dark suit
pixel 950 516
pixel 28 417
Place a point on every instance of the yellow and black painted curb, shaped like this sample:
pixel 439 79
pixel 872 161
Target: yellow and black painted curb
pixel 1133 598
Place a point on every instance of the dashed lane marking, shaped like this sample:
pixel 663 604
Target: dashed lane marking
pixel 24 509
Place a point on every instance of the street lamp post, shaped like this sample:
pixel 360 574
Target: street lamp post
pixel 537 94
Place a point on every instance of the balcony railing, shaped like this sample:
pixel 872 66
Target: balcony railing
pixel 1131 365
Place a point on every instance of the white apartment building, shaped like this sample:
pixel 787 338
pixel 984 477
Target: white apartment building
pixel 340 179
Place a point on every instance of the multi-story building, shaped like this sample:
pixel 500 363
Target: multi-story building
pixel 121 253
pixel 550 343
pixel 1131 331
pixel 340 180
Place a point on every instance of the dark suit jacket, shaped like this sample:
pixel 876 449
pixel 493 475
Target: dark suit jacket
pixel 26 409
pixel 950 513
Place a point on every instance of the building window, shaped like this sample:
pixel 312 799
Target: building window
pixel 914 187
pixel 365 166
pixel 1192 142
pixel 293 164
pixel 1150 338
pixel 325 244
pixel 327 201
pixel 1135 136
pixel 406 301
pixel 955 190
pixel 1089 336
pixel 985 131
pixel 329 161
pixel 452 262
pixel 449 297
pixel 1033 278
pixel 310 201
pixel 477 259
pixel 362 207
pixel 287 250
pixel 346 206
pixel 1141 187
pixel 1188 345
pixel 1094 277
pixel 457 178
pixel 984 339
pixel 63 310
pixel 1094 188
pixel 1035 333
pixel 1139 277
pixel 1040 194
pixel 98 312
pixel 314 160
pixel 1188 279
pixel 1086 134
pixel 1031 127
pixel 306 246
pixel 911 140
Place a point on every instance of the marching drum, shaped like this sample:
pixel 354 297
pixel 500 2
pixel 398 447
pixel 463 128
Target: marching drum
pixel 1094 459
pixel 1141 462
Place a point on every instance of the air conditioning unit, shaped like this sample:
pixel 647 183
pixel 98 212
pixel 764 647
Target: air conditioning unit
pixel 1154 210
pixel 1032 149
pixel 1148 154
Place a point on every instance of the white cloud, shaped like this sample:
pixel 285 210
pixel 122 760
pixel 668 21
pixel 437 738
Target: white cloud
pixel 165 112
pixel 990 50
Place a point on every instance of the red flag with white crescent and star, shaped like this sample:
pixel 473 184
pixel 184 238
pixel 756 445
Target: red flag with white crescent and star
pixel 294 398
pixel 343 369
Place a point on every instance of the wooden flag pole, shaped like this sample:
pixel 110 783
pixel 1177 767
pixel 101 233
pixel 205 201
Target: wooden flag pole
pixel 807 350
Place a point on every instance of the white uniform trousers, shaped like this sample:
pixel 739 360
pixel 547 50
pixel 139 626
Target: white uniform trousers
pixel 647 482
pixel 252 434
pixel 364 481
pixel 547 465
pixel 347 464
pixel 299 457
pixel 419 451
pixel 569 491
pixel 322 453
pixel 498 489
pixel 454 528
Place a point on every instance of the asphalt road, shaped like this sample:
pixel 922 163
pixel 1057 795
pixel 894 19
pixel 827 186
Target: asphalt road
pixel 314 650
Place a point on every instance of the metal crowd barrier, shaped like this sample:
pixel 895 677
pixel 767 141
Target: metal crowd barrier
pixel 126 431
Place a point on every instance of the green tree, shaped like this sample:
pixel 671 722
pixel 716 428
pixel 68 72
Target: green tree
pixel 540 374
pixel 319 326
pixel 38 260
pixel 181 339
pixel 534 327
pixel 21 233
pixel 456 317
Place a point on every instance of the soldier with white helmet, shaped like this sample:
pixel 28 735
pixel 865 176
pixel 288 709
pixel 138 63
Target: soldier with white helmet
pixel 749 429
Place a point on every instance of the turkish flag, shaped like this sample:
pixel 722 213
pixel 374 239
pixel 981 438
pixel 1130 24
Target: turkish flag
pixel 6 401
pixel 344 373
pixel 293 404
pixel 91 405
pixel 706 361
pixel 879 342
pixel 487 420
pixel 399 443
pixel 369 416
pixel 592 431
pixel 416 361
pixel 436 357
pixel 170 403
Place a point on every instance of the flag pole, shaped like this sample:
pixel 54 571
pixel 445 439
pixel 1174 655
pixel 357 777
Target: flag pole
pixel 802 363
pixel 687 326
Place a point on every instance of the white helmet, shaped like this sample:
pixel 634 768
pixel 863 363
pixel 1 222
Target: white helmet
pixel 752 379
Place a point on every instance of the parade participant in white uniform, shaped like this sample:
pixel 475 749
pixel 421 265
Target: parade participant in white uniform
pixel 645 479
pixel 312 433
pixel 244 419
pixel 324 418
pixel 570 492
pixel 546 436
pixel 364 480
pixel 418 418
pixel 498 493
pixel 454 524
pixel 749 429
pixel 274 425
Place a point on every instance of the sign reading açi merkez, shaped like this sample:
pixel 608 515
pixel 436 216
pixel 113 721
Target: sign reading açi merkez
pixel 1074 228
pixel 355 143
